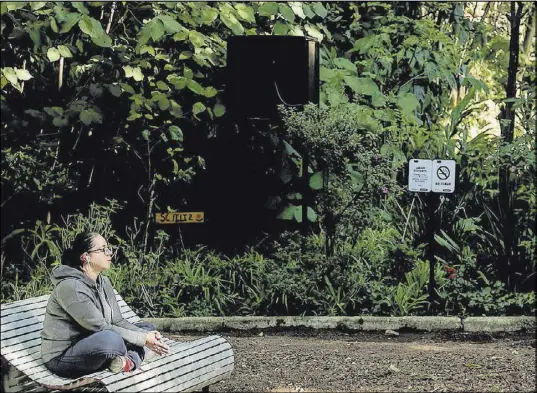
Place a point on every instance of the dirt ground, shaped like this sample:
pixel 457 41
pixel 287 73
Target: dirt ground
pixel 364 362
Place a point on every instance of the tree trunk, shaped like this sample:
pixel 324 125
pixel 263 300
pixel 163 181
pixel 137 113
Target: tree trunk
pixel 507 124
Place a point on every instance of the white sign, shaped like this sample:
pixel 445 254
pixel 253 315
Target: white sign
pixel 443 176
pixel 420 175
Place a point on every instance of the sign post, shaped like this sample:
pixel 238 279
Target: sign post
pixel 437 176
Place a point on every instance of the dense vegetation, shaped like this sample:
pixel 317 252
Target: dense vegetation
pixel 112 111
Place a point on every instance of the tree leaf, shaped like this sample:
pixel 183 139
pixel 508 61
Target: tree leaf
pixel 210 92
pixel 246 12
pixel 268 9
pixel 319 9
pixel 115 90
pixel 103 40
pixel 307 11
pixel 145 34
pixel 53 54
pixel 70 20
pixel 287 12
pixel 23 75
pixel 407 102
pixel 198 108
pixel 162 86
pixel 37 5
pixel 137 74
pixel 219 110
pixel 312 216
pixel 232 23
pixel 157 29
pixel 16 5
pixel 316 181
pixel 296 6
pixel 280 28
pixel 195 86
pixel 345 64
pixel 86 117
pixel 170 24
pixel 79 5
pixel 364 86
pixel 208 15
pixel 127 88
pixel 314 32
pixel 11 75
pixel 53 24
pixel 175 133
pixel 86 25
pixel 60 122
pixel 197 39
pixel 288 213
pixel 378 99
pixel 175 109
pixel 64 51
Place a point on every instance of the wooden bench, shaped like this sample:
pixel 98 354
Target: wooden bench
pixel 189 366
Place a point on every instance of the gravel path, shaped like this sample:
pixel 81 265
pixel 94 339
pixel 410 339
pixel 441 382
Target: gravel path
pixel 366 362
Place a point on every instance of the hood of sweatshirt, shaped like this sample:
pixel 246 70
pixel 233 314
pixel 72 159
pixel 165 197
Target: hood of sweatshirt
pixel 64 272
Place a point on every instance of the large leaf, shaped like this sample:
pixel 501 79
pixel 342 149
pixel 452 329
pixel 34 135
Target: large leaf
pixel 268 9
pixel 316 181
pixel 231 22
pixel 53 54
pixel 287 12
pixel 289 212
pixel 344 63
pixel 64 51
pixel 219 110
pixel 196 38
pixel 198 108
pixel 364 86
pixel 280 28
pixel 175 133
pixel 195 87
pixel 157 29
pixel 170 24
pixel 246 12
pixel 407 102
pixel 319 9
pixel 23 75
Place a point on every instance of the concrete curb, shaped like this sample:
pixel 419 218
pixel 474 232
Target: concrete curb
pixel 365 323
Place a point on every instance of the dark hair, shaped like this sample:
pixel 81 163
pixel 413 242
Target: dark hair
pixel 83 242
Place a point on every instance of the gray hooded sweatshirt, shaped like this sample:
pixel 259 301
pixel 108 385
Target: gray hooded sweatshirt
pixel 79 307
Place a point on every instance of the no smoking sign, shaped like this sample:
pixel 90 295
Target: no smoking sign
pixel 431 175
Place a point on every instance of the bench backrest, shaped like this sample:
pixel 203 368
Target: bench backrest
pixel 20 330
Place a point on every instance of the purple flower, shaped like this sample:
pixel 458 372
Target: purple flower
pixel 384 190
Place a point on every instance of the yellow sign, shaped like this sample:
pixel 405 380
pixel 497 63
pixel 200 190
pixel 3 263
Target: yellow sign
pixel 180 217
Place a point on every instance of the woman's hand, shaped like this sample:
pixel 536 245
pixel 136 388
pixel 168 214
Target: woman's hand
pixel 154 342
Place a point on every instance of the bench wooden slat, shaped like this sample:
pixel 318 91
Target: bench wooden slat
pixel 205 380
pixel 7 306
pixel 14 329
pixel 20 316
pixel 179 383
pixel 24 308
pixel 19 332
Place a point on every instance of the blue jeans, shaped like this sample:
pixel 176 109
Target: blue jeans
pixel 93 353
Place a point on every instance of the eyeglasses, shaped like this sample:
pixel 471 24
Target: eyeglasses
pixel 105 250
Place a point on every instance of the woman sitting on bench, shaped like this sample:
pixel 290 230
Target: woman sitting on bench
pixel 83 331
